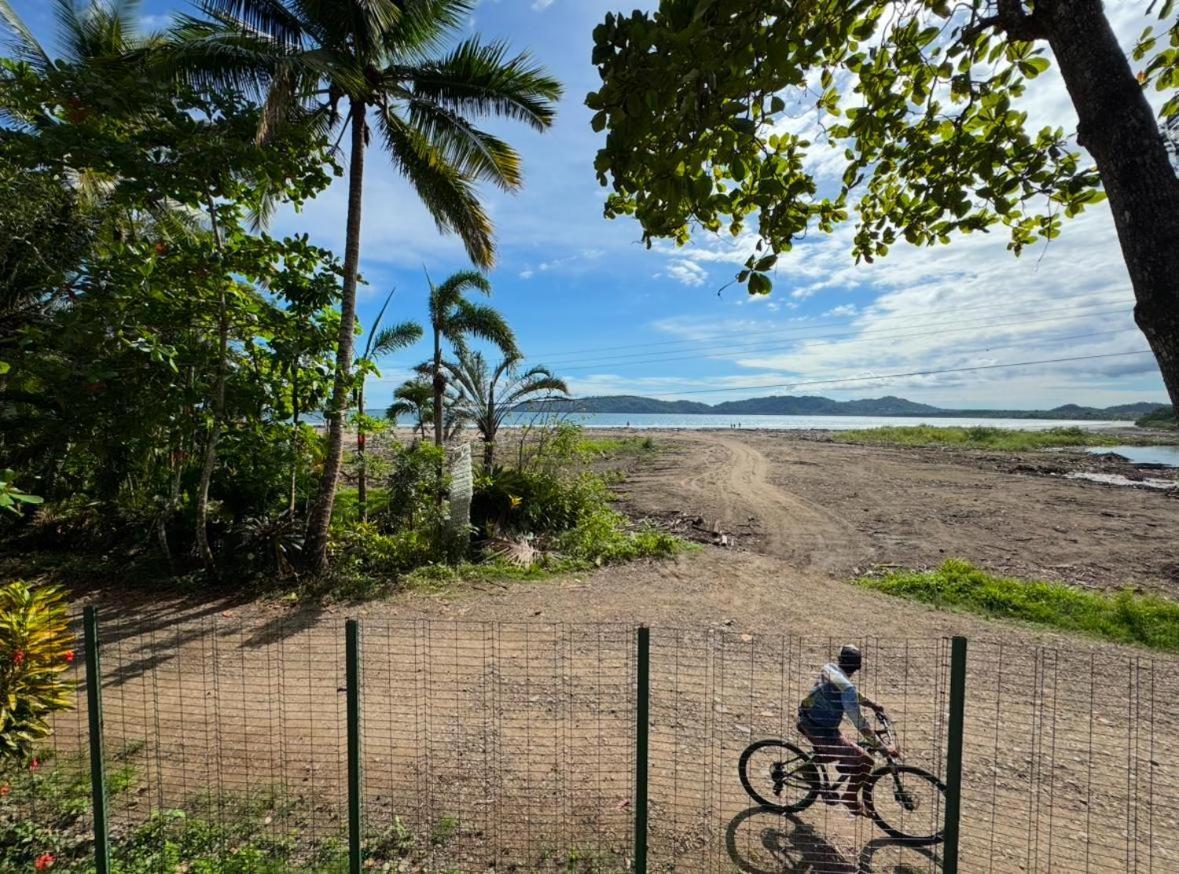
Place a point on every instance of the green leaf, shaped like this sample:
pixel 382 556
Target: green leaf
pixel 759 283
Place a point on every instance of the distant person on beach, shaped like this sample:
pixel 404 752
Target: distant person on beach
pixel 820 714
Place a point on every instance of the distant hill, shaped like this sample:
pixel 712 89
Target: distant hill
pixel 1161 417
pixel 809 405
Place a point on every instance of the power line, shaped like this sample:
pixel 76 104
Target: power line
pixel 1026 342
pixel 908 374
pixel 759 347
pixel 721 336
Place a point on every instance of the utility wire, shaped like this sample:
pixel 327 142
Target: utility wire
pixel 760 347
pixel 722 336
pixel 908 374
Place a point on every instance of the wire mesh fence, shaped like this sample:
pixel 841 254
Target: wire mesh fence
pixel 512 747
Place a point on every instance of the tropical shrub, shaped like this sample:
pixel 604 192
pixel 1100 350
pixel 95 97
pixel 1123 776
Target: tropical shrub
pixel 534 501
pixel 412 489
pixel 35 652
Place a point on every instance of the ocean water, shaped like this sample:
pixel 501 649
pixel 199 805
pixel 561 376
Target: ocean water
pixel 670 421
pixel 1168 455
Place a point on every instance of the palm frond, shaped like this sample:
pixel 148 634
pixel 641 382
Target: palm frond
pixel 480 79
pixel 461 282
pixel 550 385
pixel 425 26
pixel 272 18
pixel 484 322
pixel 215 57
pixel 23 45
pixel 447 193
pixel 474 152
pixel 399 336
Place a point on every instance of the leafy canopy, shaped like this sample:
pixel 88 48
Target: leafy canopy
pixel 913 99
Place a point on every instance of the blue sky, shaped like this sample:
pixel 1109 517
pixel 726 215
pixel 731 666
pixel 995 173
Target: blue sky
pixel 587 298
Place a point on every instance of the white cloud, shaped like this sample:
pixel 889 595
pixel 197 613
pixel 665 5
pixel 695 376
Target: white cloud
pixel 687 272
pixel 542 5
pixel 846 309
pixel 527 274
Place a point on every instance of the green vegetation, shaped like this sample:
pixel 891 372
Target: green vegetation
pixel 1161 418
pixel 999 439
pixel 549 516
pixel 1125 617
pixel 36 650
pixel 160 352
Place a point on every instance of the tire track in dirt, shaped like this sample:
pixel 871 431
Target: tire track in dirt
pixel 730 481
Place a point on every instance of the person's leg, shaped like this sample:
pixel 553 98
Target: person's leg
pixel 854 761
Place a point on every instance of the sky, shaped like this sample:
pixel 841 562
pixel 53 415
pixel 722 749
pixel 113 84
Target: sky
pixel 588 299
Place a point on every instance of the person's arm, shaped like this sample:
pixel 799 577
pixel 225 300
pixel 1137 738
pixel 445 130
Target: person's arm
pixel 870 704
pixel 851 707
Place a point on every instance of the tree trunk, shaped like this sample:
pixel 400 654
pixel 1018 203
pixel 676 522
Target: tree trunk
pixel 315 548
pixel 489 434
pixel 362 473
pixel 294 435
pixel 201 546
pixel 439 386
pixel 1117 126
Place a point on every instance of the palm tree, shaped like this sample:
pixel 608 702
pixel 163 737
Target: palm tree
pixel 456 319
pixel 379 58
pixel 489 401
pixel 414 397
pixel 381 342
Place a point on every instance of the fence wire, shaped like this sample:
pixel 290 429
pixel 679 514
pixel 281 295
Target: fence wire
pixel 1070 761
pixel 511 747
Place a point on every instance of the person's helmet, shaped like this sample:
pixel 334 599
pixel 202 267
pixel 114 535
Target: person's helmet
pixel 849 658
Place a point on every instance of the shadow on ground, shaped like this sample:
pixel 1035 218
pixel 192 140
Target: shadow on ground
pixel 760 841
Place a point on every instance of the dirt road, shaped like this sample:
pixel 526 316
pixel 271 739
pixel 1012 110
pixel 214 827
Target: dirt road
pixel 843 508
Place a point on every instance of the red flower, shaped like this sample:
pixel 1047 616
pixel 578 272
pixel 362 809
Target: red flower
pixel 4 790
pixel 44 862
pixel 34 764
pixel 69 655
pixel 18 657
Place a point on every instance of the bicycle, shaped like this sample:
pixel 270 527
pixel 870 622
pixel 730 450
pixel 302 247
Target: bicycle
pixel 796 778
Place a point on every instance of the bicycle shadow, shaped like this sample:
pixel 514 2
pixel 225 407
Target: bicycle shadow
pixel 777 843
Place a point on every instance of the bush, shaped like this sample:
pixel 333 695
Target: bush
pixel 1125 618
pixel 35 652
pixel 534 502
pixel 410 498
pixel 977 437
pixel 571 514
pixel 602 536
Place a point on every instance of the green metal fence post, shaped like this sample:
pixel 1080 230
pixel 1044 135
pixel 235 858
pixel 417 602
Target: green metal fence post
pixel 352 660
pixel 642 716
pixel 102 849
pixel 954 754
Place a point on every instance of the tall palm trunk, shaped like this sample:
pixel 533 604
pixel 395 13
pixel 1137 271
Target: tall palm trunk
pixel 321 513
pixel 294 434
pixel 439 386
pixel 489 432
pixel 362 474
pixel 201 545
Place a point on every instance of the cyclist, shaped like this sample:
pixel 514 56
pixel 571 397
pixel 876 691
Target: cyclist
pixel 819 716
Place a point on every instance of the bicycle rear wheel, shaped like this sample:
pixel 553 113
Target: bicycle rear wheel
pixel 912 809
pixel 779 776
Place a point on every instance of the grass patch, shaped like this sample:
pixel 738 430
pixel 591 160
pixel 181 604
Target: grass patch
pixel 589 447
pixel 982 437
pixel 1125 617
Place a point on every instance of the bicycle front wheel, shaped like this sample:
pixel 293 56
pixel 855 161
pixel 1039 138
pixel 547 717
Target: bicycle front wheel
pixel 779 776
pixel 911 807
